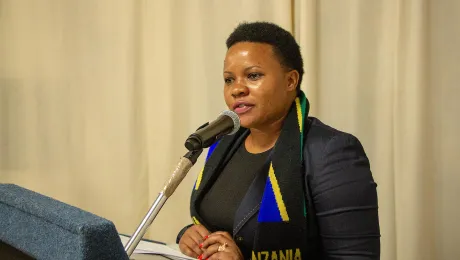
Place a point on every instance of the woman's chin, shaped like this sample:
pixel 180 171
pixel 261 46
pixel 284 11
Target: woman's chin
pixel 247 122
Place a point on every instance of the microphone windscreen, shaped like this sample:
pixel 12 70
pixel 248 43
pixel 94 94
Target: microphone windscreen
pixel 235 118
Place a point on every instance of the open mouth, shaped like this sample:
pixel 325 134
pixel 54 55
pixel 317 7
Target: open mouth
pixel 241 108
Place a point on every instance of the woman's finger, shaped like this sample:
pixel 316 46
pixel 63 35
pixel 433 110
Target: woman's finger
pixel 212 249
pixel 197 237
pixel 219 256
pixel 193 241
pixel 223 233
pixel 187 250
pixel 202 231
pixel 216 239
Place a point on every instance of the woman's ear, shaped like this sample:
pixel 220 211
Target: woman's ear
pixel 292 80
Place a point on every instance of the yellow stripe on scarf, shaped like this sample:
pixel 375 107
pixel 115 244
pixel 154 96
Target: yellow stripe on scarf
pixel 198 180
pixel 277 192
pixel 195 221
pixel 299 113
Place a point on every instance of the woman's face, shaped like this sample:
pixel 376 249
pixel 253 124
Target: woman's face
pixel 257 87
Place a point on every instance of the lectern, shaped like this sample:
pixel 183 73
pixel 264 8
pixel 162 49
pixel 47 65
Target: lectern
pixel 34 226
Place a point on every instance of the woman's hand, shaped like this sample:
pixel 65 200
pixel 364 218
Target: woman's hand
pixel 191 240
pixel 228 247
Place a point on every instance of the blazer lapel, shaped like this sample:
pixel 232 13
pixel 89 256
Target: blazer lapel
pixel 251 201
pixel 217 160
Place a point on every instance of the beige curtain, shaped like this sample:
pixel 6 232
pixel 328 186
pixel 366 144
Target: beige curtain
pixel 97 98
pixel 388 72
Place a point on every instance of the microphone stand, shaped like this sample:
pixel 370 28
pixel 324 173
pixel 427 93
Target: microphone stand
pixel 182 168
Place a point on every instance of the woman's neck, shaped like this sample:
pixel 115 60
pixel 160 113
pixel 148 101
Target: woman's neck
pixel 264 138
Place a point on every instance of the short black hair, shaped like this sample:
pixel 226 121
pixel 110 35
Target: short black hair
pixel 283 43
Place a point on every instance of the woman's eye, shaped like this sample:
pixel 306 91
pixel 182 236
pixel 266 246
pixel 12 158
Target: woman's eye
pixel 228 81
pixel 254 76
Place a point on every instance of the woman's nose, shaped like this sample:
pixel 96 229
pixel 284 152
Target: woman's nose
pixel 239 90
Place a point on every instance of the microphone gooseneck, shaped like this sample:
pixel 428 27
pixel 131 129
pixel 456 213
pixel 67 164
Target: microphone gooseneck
pixel 181 170
pixel 227 123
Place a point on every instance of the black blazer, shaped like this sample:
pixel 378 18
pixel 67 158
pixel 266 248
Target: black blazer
pixel 341 194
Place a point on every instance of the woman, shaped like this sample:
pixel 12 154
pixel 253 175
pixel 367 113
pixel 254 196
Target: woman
pixel 286 186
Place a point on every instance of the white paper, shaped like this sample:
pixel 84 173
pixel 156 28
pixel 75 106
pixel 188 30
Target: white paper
pixel 145 247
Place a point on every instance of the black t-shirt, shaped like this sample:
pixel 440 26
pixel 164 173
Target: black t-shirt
pixel 221 202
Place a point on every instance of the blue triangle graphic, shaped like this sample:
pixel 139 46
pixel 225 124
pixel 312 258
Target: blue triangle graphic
pixel 211 149
pixel 269 211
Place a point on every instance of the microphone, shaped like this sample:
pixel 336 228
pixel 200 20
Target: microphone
pixel 227 123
